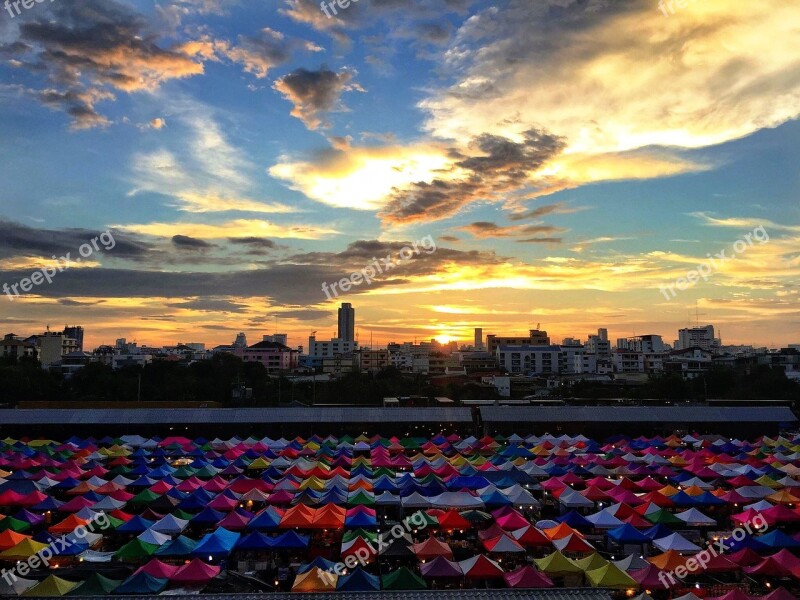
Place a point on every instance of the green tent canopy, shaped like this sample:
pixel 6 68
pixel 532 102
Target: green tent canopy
pixel 403 579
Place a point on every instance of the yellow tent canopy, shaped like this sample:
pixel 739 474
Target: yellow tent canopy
pixel 52 586
pixel 315 580
pixel 24 550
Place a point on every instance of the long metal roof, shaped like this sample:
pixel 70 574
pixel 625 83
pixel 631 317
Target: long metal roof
pixel 490 414
pixel 638 414
pixel 498 594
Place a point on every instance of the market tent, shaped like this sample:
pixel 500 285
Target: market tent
pixel 23 550
pixel 96 585
pixel 156 568
pixel 358 581
pixel 195 573
pixel 480 567
pixel 135 550
pixel 556 564
pixel 502 543
pixel 180 546
pixel 527 578
pixel 441 567
pixel 694 518
pixel 315 580
pixel 141 584
pixel 651 577
pixel 431 548
pixel 610 576
pixel 51 586
pixel 216 544
pixel 402 579
pixel 628 534
pixel 675 542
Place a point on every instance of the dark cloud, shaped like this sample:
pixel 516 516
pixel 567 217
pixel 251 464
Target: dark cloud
pixel 260 53
pixel 255 246
pixel 497 167
pixel 305 314
pixel 488 229
pixel 314 93
pixel 541 241
pixel 296 280
pixel 91 49
pixel 220 305
pixel 542 211
pixel 185 242
pixel 21 240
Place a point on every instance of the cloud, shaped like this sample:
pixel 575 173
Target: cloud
pixel 518 64
pixel 314 93
pixel 22 241
pixel 203 171
pixel 184 242
pixel 421 182
pixel 495 167
pixel 487 229
pixel 263 52
pixel 235 228
pixel 559 208
pixel 90 50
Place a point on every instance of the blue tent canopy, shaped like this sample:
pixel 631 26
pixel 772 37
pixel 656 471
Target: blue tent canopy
pixel 180 546
pixel 575 520
pixel 319 562
pixel 290 540
pixel 219 543
pixel 135 525
pixel 361 519
pixel 255 541
pixel 358 581
pixel 267 519
pixel 142 583
pixel 628 534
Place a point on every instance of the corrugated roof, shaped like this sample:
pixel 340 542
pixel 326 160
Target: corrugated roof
pixel 639 414
pixel 500 594
pixel 319 414
pixel 187 416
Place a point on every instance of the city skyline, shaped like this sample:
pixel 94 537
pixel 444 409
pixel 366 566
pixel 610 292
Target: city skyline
pixel 574 164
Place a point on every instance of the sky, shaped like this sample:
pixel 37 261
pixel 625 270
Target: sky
pixel 570 163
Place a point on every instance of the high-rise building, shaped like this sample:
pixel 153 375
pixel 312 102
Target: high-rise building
pixel 347 322
pixel 240 341
pixel 699 337
pixel 478 338
pixel 76 333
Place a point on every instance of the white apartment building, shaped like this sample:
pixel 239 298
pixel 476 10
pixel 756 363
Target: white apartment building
pixel 330 348
pixel 529 359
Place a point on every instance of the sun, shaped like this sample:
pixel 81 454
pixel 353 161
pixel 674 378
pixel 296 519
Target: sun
pixel 443 339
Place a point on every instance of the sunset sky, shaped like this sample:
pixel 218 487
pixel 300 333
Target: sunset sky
pixel 568 157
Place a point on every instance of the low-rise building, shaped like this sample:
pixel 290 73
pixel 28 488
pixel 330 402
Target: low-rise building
pixel 13 347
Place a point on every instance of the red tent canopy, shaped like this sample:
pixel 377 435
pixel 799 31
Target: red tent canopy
pixel 480 567
pixel 431 548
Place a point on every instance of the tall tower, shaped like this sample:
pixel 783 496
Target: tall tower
pixel 347 322
pixel 478 338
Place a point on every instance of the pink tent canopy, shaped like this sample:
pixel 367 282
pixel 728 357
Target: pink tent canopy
pixel 159 569
pixel 527 577
pixel 195 572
